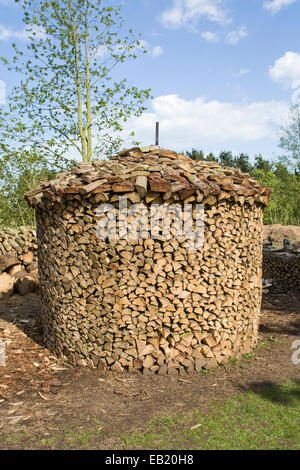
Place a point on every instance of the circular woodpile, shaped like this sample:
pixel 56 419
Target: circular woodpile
pixel 146 304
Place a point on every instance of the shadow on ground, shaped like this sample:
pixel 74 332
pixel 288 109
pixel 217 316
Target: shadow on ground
pixel 25 314
pixel 277 394
pixel 293 328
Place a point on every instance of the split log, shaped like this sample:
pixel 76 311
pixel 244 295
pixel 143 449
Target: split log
pixel 6 285
pixel 7 261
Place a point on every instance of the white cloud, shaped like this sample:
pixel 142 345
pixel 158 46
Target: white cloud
pixel 8 33
pixel 153 51
pixel 234 37
pixel 209 36
pixel 8 2
pixel 2 92
pixel 187 12
pixel 156 51
pixel 286 70
pixel 274 6
pixel 214 124
pixel 35 31
pixel 102 51
pixel 242 72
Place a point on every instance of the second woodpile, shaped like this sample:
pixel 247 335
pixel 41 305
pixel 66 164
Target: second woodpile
pixel 144 304
pixel 19 240
pixel 283 269
pixel 18 261
pixel 18 274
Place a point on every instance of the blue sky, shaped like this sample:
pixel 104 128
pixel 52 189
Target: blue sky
pixel 223 73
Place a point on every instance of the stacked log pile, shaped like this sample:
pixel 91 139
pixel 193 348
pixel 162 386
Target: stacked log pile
pixel 283 269
pixel 18 274
pixel 19 240
pixel 150 304
pixel 18 261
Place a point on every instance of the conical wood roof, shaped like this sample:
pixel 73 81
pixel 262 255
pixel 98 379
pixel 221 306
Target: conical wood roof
pixel 151 172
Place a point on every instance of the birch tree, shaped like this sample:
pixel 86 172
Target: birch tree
pixel 290 139
pixel 68 101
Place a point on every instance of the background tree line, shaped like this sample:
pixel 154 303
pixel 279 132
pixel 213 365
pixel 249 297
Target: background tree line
pixel 283 176
pixel 25 170
pixel 69 104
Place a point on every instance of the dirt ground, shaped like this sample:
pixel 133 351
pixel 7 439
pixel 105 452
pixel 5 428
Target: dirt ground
pixel 40 396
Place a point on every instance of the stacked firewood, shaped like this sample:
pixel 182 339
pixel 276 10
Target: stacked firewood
pixel 18 274
pixel 17 240
pixel 283 269
pixel 18 261
pixel 146 304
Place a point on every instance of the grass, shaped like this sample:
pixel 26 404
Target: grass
pixel 266 417
pixel 82 439
pixel 68 438
pixel 263 420
pixel 268 343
